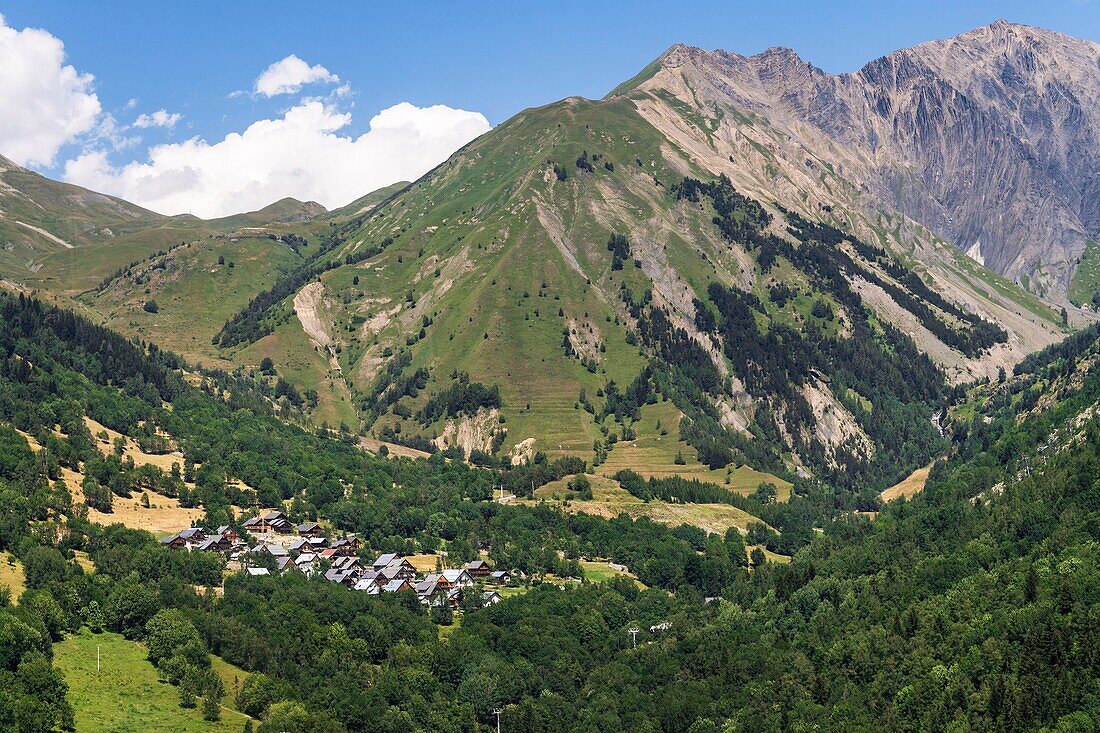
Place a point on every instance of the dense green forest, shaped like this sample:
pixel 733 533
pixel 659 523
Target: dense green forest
pixel 971 607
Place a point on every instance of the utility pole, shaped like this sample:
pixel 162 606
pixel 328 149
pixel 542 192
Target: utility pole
pixel 497 713
pixel 634 635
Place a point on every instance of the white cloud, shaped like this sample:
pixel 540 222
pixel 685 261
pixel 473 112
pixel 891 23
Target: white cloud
pixel 160 118
pixel 291 74
pixel 108 133
pixel 300 154
pixel 46 103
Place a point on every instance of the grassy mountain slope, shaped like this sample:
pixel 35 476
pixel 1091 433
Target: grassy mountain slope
pixel 65 237
pixel 498 265
pixel 363 204
pixel 121 257
pixel 196 285
pixel 556 279
pixel 284 211
pixel 68 215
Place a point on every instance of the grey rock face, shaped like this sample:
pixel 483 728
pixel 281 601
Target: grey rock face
pixel 990 139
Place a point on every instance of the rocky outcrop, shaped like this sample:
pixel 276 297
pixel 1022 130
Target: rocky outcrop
pixel 991 137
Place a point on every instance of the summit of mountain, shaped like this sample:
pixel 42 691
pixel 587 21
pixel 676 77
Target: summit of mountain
pixel 990 139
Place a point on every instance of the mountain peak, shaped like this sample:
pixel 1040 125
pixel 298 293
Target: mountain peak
pixel 1002 35
pixel 1001 25
pixel 778 52
pixel 1004 113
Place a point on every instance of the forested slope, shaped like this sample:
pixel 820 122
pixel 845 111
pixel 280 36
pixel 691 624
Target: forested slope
pixel 970 607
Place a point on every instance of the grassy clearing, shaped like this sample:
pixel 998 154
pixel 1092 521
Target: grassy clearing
pixel 423 563
pixel 127 695
pixel 195 294
pixel 163 516
pixel 908 486
pixel 394 449
pixel 768 554
pixel 609 500
pixel 77 270
pixel 232 677
pixel 653 454
pixel 162 461
pixel 11 575
pixel 456 624
pixel 1086 278
pixel 298 361
pixel 84 561
pixel 601 572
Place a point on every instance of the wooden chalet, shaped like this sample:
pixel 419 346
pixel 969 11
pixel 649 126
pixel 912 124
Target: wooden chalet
pixel 385 559
pixel 175 542
pixel 401 568
pixel 272 549
pixel 216 543
pixel 440 580
pixel 306 563
pixel 193 535
pixel 348 577
pixel 458 577
pixel 478 569
pixel 433 591
pixel 228 532
pixel 346 563
pixel 310 529
pixel 347 545
pixel 369 582
pixel 396 585
pixel 188 538
pixel 270 522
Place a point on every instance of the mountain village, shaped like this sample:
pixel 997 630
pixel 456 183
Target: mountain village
pixel 272 544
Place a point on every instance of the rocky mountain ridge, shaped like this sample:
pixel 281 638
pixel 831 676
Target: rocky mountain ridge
pixel 990 139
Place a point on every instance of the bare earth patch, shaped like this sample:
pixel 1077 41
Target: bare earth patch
pixel 909 486
pixel 394 449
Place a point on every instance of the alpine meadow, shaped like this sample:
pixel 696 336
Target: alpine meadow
pixel 746 398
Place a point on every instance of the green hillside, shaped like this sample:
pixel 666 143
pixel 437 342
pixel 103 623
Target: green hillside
pixel 583 260
pixel 1086 278
pixel 126 695
pixel 195 285
pixel 533 293
pixel 64 238
pixel 365 203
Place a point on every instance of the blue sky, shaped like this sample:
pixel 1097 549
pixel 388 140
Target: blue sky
pixel 494 58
